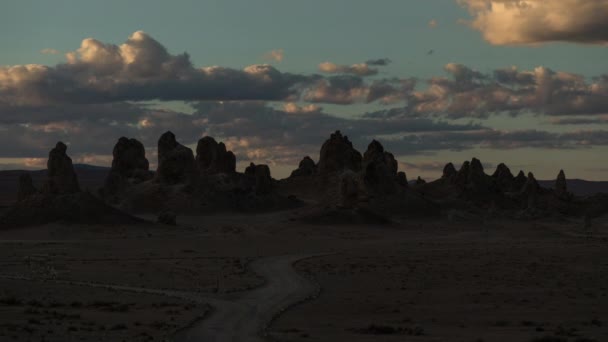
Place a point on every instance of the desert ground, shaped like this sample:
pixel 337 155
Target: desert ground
pixel 413 280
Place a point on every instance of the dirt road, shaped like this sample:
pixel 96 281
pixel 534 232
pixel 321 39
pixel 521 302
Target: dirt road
pixel 245 317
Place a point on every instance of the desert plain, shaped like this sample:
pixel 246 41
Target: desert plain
pixel 415 280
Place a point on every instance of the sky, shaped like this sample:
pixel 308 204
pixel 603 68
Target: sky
pixel 522 82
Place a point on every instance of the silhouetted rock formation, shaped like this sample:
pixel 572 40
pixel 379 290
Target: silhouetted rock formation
pixel 379 169
pixel 212 157
pixel 477 180
pixel 61 200
pixel 449 171
pixel 338 154
pixel 420 181
pixel 462 175
pixel 306 168
pixel 471 179
pixel 26 187
pixel 129 167
pixel 402 179
pixel 260 175
pixel 175 161
pixel 130 158
pixel 503 177
pixel 531 186
pixel 519 181
pixel 350 190
pixel 561 186
pixel 531 191
pixel 61 176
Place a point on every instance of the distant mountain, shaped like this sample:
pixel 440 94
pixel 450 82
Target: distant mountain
pixel 90 167
pixel 579 187
pixel 90 177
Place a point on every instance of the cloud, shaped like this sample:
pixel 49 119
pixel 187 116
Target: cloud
pixel 293 108
pixel 433 23
pixel 360 69
pixel 255 128
pixel 50 51
pixel 378 62
pixel 256 131
pixel 275 55
pixel 579 121
pixel 466 92
pixel 417 143
pixel 504 22
pixel 349 89
pixel 139 69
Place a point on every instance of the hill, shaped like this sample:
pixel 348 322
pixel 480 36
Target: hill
pixel 91 177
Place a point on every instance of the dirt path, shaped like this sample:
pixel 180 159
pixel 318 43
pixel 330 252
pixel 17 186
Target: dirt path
pixel 244 318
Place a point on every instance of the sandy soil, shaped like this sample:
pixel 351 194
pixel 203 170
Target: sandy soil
pixel 415 280
pixel 501 282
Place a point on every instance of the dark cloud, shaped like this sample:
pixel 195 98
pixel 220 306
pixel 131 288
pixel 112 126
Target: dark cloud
pixel 254 129
pixel 496 139
pixel 378 62
pixel 579 121
pixel 359 69
pixel 469 93
pixel 349 89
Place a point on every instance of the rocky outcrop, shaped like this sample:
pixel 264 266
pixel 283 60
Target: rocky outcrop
pixel 503 177
pixel 519 181
pixel 129 167
pixel 259 176
pixel 213 158
pixel 129 158
pixel 531 186
pixel 175 161
pixel 306 168
pixel 561 185
pixel 402 179
pixel 350 191
pixel 26 187
pixel 62 178
pixel 61 199
pixel 449 171
pixel 420 181
pixel 379 169
pixel 531 191
pixel 476 175
pixel 338 154
pixel 470 180
pixel 462 176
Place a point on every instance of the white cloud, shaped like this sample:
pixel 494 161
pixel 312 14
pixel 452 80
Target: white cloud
pixel 505 22
pixel 359 69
